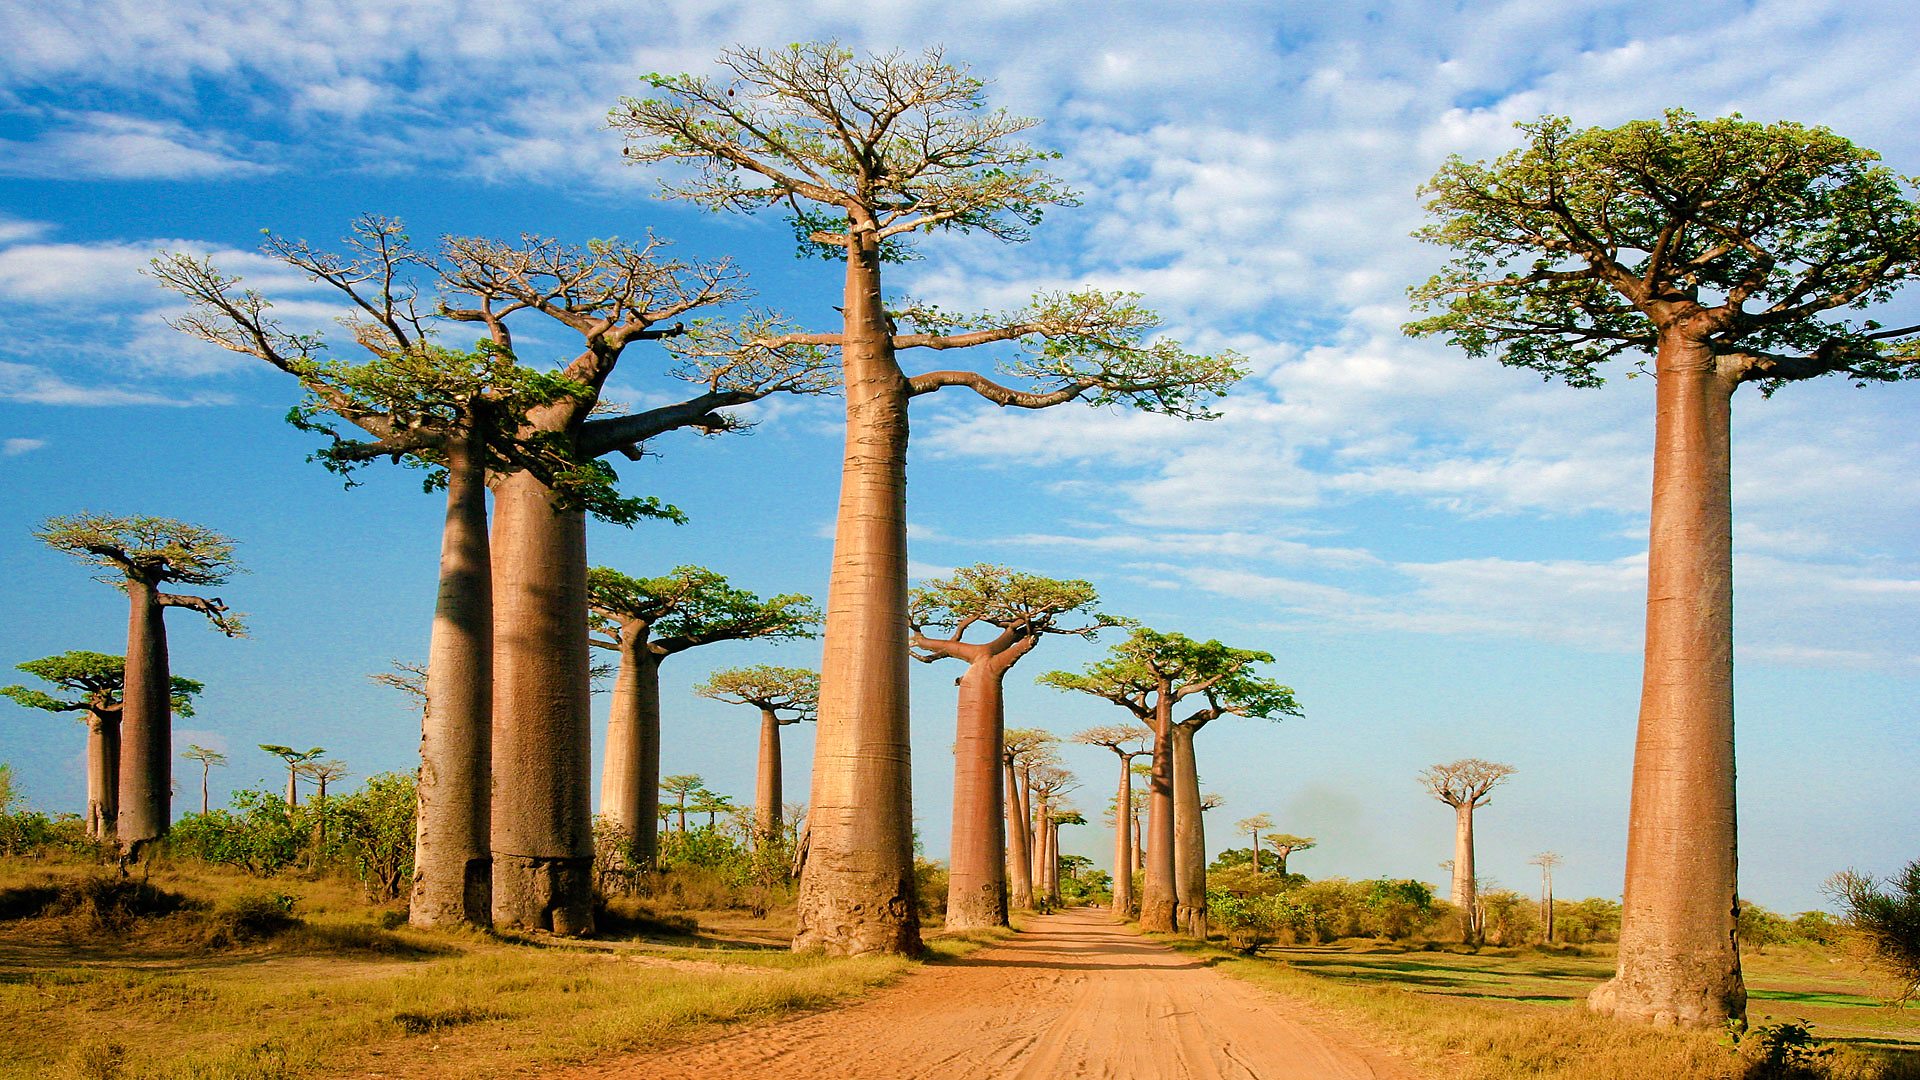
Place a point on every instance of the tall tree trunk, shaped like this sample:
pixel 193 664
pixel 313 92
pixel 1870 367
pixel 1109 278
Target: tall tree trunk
pixel 1189 838
pixel 205 801
pixel 293 787
pixel 1123 841
pixel 453 856
pixel 766 784
pixel 1546 904
pixel 1679 961
pixel 630 774
pixel 542 835
pixel 146 725
pixel 856 892
pixel 1157 898
pixel 1139 853
pixel 977 862
pixel 1019 844
pixel 103 773
pixel 1037 824
pixel 1463 872
pixel 1053 862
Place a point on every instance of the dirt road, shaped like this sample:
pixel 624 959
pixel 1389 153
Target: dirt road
pixel 1074 997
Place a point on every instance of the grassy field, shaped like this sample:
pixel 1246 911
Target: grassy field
pixel 345 991
pixel 1503 1013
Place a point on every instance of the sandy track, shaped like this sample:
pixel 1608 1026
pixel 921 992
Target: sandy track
pixel 1075 996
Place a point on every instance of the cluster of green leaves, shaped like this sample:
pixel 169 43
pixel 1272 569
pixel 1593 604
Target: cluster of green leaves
pixel 784 689
pixel 1572 248
pixel 1133 670
pixel 695 606
pixel 1267 907
pixel 97 677
pixel 366 834
pixel 1886 922
pixel 157 548
pixel 1006 598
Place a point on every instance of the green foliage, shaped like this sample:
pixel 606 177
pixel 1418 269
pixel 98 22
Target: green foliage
pixel 366 834
pixel 1575 248
pixel 1586 921
pixel 782 689
pixel 154 548
pixel 694 606
pixel 97 677
pixel 1786 1050
pixel 1508 918
pixel 1885 922
pixel 1134 669
pixel 1007 599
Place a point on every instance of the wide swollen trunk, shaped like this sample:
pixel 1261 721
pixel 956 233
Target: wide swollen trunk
pixel 630 773
pixel 453 856
pixel 977 874
pixel 1019 844
pixel 1123 841
pixel 1679 962
pixel 542 835
pixel 103 772
pixel 1189 838
pixel 766 783
pixel 1157 898
pixel 856 888
pixel 1463 885
pixel 146 725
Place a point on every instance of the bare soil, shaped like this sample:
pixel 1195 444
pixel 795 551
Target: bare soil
pixel 1073 996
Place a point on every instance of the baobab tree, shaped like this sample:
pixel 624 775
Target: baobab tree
pixel 1252 826
pixel 869 154
pixel 139 555
pixel 1147 674
pixel 784 696
pixel 1730 252
pixel 1047 785
pixel 1127 741
pixel 97 680
pixel 1285 844
pixel 1022 750
pixel 1465 785
pixel 682 786
pixel 712 804
pixel 536 439
pixel 1019 609
pixel 1546 861
pixel 1062 814
pixel 294 759
pixel 207 759
pixel 646 620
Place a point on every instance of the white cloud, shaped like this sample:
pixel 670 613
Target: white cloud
pixel 37 386
pixel 114 147
pixel 16 447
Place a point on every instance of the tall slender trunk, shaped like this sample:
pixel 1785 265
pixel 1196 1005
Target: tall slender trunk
pixel 204 801
pixel 1123 841
pixel 453 857
pixel 1157 897
pixel 293 786
pixel 146 725
pixel 766 784
pixel 630 773
pixel 1546 906
pixel 1051 871
pixel 1139 853
pixel 542 837
pixel 1679 961
pixel 856 892
pixel 1189 837
pixel 977 862
pixel 1463 887
pixel 1019 843
pixel 1037 822
pixel 103 773
pixel 1256 850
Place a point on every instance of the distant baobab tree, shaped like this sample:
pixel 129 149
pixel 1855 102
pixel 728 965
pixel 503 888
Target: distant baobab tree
pixel 869 155
pixel 1019 609
pixel 1546 861
pixel 96 680
pixel 784 695
pixel 207 759
pixel 1022 751
pixel 139 555
pixel 1127 741
pixel 294 759
pixel 681 787
pixel 1252 826
pixel 1465 785
pixel 647 620
pixel 1285 844
pixel 1732 253
pixel 1048 786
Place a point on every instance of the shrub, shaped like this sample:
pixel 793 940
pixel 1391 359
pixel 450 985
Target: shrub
pixel 1886 925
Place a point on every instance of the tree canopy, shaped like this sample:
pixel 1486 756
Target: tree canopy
pixel 1466 782
pixel 1133 671
pixel 97 677
pixel 153 550
pixel 1015 602
pixel 689 607
pixel 1583 245
pixel 794 691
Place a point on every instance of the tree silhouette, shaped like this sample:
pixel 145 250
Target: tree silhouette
pixel 1718 247
pixel 139 555
pixel 681 787
pixel 868 154
pixel 1022 751
pixel 207 759
pixel 1464 785
pixel 294 759
pixel 784 696
pixel 1252 826
pixel 1546 861
pixel 1285 844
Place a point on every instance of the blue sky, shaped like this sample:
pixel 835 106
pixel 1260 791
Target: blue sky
pixel 1446 556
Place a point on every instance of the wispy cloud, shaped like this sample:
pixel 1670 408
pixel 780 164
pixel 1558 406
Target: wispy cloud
pixel 25 383
pixel 110 146
pixel 16 447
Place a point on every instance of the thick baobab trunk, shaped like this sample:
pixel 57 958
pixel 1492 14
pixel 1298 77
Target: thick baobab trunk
pixel 1463 888
pixel 1280 867
pixel 856 892
pixel 1679 962
pixel 453 855
pixel 1157 897
pixel 766 783
pixel 977 874
pixel 103 773
pixel 146 726
pixel 630 774
pixel 1123 841
pixel 1189 838
pixel 293 787
pixel 1037 825
pixel 1019 844
pixel 542 834
pixel 1256 850
pixel 1051 872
